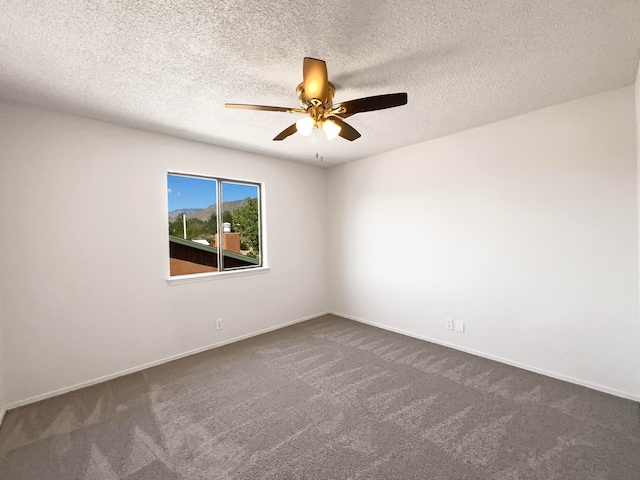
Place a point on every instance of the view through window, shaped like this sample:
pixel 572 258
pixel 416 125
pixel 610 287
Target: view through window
pixel 214 224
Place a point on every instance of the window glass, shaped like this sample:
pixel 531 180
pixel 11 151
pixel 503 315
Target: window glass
pixel 241 219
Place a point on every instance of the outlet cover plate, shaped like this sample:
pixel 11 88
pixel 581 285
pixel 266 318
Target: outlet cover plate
pixel 448 323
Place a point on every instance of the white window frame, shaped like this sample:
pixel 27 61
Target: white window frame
pixel 261 268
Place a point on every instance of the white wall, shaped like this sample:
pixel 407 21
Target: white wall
pixel 85 253
pixel 3 396
pixel 526 229
pixel 638 189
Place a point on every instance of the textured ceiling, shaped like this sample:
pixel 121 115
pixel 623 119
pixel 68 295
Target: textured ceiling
pixel 169 66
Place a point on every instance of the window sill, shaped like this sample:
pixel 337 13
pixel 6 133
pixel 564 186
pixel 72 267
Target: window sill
pixel 207 277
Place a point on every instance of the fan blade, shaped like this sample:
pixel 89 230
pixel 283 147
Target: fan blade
pixel 314 73
pixel 346 130
pixel 263 107
pixel 369 104
pixel 286 132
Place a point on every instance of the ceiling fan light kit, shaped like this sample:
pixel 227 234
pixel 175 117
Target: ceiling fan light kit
pixel 331 129
pixel 305 126
pixel 316 101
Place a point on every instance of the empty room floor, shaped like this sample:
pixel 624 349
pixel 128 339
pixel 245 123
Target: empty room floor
pixel 328 398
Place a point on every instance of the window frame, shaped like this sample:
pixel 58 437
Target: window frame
pixel 222 272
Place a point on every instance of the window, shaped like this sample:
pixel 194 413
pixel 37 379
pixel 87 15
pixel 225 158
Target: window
pixel 214 224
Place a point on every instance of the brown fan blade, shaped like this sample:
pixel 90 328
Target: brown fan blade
pixel 314 73
pixel 263 107
pixel 346 130
pixel 286 132
pixel 369 104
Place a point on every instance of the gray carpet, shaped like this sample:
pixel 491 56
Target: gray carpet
pixel 326 399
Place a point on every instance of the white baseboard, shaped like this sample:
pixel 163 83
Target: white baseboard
pixel 2 412
pixel 558 376
pixel 139 368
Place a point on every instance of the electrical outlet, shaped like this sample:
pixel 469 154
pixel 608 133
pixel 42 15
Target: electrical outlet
pixel 448 323
pixel 219 324
pixel 460 326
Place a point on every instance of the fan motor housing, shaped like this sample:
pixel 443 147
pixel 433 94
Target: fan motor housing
pixel 307 103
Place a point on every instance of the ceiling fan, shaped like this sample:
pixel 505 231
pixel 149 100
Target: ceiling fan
pixel 316 102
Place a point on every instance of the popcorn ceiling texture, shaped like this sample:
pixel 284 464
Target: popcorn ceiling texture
pixel 169 66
